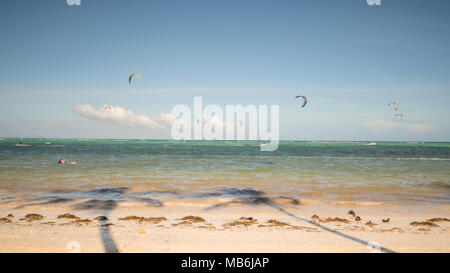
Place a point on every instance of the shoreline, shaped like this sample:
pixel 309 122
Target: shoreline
pixel 263 227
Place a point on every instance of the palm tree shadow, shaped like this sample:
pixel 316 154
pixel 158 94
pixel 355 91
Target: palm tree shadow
pixel 119 194
pixel 260 199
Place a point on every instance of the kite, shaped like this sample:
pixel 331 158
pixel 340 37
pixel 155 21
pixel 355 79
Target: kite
pixel 399 115
pixel 395 105
pixel 107 107
pixel 305 100
pixel 131 76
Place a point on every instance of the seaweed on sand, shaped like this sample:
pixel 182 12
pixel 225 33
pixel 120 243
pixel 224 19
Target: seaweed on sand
pixel 5 220
pixel 425 223
pixel 32 217
pixel 192 219
pixel 78 222
pixel 277 223
pixel 243 221
pixel 335 219
pixel 438 220
pixel 140 219
pixel 67 216
pixel 370 224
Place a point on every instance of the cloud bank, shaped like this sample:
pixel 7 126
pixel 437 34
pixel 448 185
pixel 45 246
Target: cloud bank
pixel 117 115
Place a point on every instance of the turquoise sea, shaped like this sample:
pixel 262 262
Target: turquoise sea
pixel 391 172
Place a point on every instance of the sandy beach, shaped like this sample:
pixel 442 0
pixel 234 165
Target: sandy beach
pixel 201 226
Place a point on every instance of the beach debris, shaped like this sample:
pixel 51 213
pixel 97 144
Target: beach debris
pixel 370 224
pixel 357 219
pixel 394 229
pixel 425 223
pixel 10 215
pixel 83 221
pixel 32 217
pixel 207 225
pixel 425 230
pixel 307 229
pixel 5 220
pixel 192 219
pixel 385 220
pixel 132 75
pixel 78 222
pixel 352 213
pixel 275 223
pixel 247 219
pixel 335 219
pixel 142 232
pixel 393 104
pixel 438 220
pixel 315 217
pixel 67 216
pixel 305 100
pixel 243 221
pixel 189 220
pixel 101 218
pixel 140 219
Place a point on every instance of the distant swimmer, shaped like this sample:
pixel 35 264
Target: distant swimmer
pixel 62 161
pixel 19 143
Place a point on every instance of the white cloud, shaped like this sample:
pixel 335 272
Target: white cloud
pixel 381 125
pixel 120 116
pixel 166 119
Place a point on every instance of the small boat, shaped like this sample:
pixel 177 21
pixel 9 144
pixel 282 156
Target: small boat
pixel 371 144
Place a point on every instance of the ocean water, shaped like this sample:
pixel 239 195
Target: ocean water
pixel 390 172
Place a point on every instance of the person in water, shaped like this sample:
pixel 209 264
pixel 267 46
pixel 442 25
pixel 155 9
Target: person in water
pixel 62 161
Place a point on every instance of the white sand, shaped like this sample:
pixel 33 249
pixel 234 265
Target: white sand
pixel 299 236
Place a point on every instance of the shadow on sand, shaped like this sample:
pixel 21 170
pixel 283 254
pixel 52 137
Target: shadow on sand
pixel 246 196
pixel 256 198
pixel 112 197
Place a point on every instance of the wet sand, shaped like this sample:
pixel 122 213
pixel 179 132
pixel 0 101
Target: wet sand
pixel 226 226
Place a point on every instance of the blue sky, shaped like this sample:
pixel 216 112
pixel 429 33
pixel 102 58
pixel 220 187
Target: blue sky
pixel 350 59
